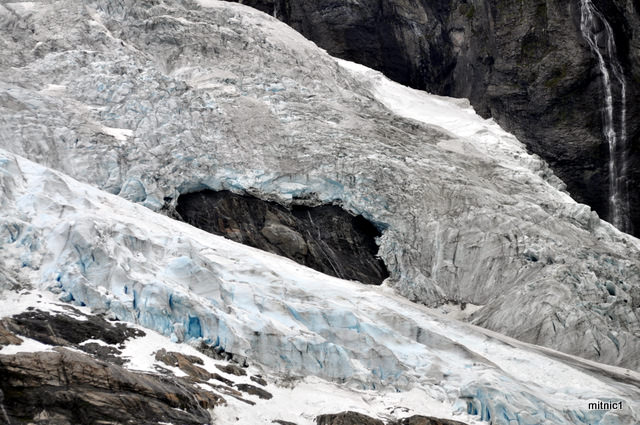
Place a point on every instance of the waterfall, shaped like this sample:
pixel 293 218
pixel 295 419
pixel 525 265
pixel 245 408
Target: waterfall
pixel 599 35
pixel 4 412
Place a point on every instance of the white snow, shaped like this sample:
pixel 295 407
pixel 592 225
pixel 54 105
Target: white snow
pixel 17 302
pixel 120 134
pixel 455 311
pixel 28 345
pixel 473 135
pixel 22 7
pixel 94 341
pixel 312 397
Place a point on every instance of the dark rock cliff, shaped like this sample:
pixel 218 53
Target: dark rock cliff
pixel 325 238
pixel 65 386
pixel 526 64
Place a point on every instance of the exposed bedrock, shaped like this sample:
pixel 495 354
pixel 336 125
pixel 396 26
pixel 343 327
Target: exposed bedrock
pixel 67 331
pixel 68 387
pixel 355 418
pixel 526 64
pixel 325 238
pixel 63 386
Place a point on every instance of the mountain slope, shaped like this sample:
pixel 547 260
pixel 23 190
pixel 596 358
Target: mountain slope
pixel 526 64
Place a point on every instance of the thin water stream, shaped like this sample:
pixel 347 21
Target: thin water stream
pixel 4 412
pixel 599 35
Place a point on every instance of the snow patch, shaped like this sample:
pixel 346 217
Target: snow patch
pixel 120 134
pixel 28 346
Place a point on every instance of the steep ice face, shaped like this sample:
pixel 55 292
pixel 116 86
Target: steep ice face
pixel 116 257
pixel 152 101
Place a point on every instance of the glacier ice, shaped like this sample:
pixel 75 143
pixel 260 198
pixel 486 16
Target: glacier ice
pixel 150 101
pixel 102 251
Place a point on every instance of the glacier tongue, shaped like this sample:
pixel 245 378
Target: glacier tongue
pixel 150 101
pixel 102 251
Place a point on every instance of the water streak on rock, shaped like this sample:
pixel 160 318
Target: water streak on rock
pixel 4 412
pixel 599 35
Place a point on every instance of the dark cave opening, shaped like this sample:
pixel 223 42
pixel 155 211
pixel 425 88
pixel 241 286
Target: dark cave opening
pixel 325 238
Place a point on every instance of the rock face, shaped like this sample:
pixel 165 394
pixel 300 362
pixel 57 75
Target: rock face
pixel 67 331
pixel 66 387
pixel 63 330
pixel 325 238
pixel 425 420
pixel 524 63
pixel 355 418
pixel 347 418
pixel 58 384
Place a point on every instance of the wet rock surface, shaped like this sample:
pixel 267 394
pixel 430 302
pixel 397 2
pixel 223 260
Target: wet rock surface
pixel 259 380
pixel 188 364
pixel 252 389
pixel 425 420
pixel 7 337
pixel 325 238
pixel 524 63
pixel 103 352
pixel 64 386
pixel 64 330
pixel 232 370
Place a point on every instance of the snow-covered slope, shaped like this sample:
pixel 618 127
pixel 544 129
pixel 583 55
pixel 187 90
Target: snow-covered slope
pixel 295 399
pixel 152 99
pixel 119 258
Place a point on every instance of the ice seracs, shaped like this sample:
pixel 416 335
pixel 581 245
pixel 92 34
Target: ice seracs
pixel 220 96
pixel 98 250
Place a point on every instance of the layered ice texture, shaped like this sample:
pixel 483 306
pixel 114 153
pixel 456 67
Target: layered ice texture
pixel 150 100
pixel 101 251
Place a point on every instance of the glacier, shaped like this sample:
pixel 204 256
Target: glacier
pixel 150 101
pixel 102 252
pixel 122 106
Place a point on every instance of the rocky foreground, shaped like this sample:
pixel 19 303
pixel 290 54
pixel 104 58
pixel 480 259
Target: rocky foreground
pixel 74 370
